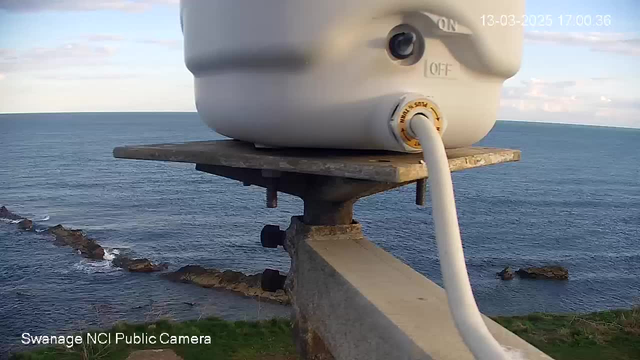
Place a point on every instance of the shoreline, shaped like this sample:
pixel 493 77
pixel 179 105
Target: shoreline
pixel 233 281
pixel 524 320
pixel 248 285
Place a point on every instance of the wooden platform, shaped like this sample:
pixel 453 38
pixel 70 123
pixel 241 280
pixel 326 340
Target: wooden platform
pixel 375 166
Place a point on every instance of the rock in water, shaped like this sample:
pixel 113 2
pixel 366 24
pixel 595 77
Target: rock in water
pixel 78 241
pixel 144 265
pixel 248 285
pixel 26 225
pixel 506 274
pixel 545 272
pixel 87 247
pixel 6 214
pixel 137 265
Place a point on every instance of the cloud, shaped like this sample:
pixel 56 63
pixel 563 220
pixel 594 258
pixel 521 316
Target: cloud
pixel 103 37
pixel 68 51
pixel 619 43
pixel 8 54
pixel 538 89
pixel 2 76
pixel 169 43
pixel 88 50
pixel 81 5
pixel 578 101
pixel 72 77
pixel 68 54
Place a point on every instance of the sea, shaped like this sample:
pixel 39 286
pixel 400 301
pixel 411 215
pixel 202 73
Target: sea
pixel 573 200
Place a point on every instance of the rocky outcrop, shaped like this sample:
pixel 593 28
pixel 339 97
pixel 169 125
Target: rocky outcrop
pixel 86 246
pixel 545 272
pixel 137 265
pixel 247 285
pixel 506 274
pixel 77 240
pixel 6 214
pixel 25 225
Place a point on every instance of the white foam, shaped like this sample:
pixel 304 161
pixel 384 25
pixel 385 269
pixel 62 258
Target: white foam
pixel 110 254
pixel 45 218
pixel 10 221
pixel 93 266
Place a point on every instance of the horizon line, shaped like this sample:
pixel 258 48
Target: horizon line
pixel 195 112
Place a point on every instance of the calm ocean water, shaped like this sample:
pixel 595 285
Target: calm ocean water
pixel 573 200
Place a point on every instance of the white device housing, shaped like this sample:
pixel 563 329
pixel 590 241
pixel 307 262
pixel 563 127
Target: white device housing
pixel 318 73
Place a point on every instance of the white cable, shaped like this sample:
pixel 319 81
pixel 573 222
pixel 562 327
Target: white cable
pixel 463 306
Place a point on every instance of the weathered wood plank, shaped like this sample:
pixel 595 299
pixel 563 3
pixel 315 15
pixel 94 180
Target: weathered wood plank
pixel 367 165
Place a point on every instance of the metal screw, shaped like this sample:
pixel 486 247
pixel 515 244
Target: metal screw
pixel 421 192
pixel 272 187
pixel 272 196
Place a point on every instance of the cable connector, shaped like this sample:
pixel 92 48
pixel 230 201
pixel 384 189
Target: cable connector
pixel 409 106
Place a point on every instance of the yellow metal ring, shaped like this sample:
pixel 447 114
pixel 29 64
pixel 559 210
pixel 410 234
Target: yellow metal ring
pixel 412 108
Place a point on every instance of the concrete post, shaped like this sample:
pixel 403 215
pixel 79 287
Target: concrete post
pixel 352 301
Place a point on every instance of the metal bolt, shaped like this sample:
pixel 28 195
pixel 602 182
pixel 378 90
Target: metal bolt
pixel 272 281
pixel 421 192
pixel 271 236
pixel 272 196
pixel 272 187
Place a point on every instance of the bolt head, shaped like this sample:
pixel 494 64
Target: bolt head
pixel 271 236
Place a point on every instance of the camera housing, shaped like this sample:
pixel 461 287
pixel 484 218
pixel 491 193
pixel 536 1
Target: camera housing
pixel 326 74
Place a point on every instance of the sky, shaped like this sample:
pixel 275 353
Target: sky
pixel 126 55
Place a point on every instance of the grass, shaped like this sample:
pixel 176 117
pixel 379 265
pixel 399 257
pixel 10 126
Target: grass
pixel 241 340
pixel 607 335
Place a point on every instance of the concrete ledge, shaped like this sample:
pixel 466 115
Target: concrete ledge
pixel 366 304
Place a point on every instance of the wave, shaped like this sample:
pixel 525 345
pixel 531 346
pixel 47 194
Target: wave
pixel 95 267
pixel 10 221
pixel 15 221
pixel 110 254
